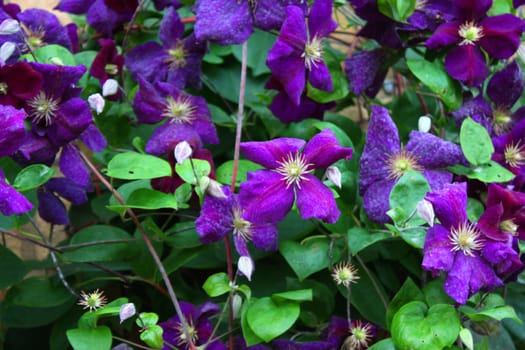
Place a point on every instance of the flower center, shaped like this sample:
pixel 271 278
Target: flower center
pixel 501 122
pixel 313 53
pixel 92 301
pixel 241 227
pixel 180 110
pixel 3 88
pixel 470 33
pixel 35 38
pixel 515 155
pixel 509 226
pixel 360 335
pixel 400 163
pixel 421 4
pixel 465 238
pixel 192 333
pixel 293 169
pixel 176 56
pixel 111 69
pixel 43 108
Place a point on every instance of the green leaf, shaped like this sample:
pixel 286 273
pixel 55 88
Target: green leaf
pixel 224 172
pixel 433 75
pixel 408 292
pixel 147 319
pixel 259 44
pixel 249 336
pixel 491 172
pixel 99 252
pixel 407 192
pixel 415 326
pixel 414 236
pixel 295 295
pixel 145 198
pixel 498 313
pixel 269 320
pixel 33 176
pixel 12 267
pixel 134 166
pixel 307 258
pixel 217 284
pixel 152 336
pixel 466 338
pixel 359 239
pixel 398 10
pixel 475 142
pixel 52 54
pixel 340 134
pixel 191 167
pixel 385 344
pixel 90 338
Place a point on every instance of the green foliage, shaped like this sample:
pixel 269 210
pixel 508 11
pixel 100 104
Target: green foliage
pixel 475 142
pixel 90 338
pixel 33 176
pixel 398 10
pixel 135 166
pixel 12 267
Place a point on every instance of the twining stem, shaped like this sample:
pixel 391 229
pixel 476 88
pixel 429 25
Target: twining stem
pixel 151 249
pixel 373 280
pixel 131 22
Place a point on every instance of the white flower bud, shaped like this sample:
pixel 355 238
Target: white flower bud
pixel 425 210
pixel 110 87
pixel 127 311
pixel 182 151
pixel 334 174
pixel 9 26
pixel 96 102
pixel 215 189
pixel 424 123
pixel 236 305
pixel 6 50
pixel 245 266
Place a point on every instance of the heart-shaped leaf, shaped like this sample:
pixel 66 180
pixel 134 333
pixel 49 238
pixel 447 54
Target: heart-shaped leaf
pixel 269 320
pixel 306 259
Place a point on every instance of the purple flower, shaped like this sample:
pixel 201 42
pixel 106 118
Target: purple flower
pixel 455 246
pixel 366 71
pixel 270 193
pixel 11 201
pixel 384 161
pixel 108 62
pixel 509 149
pixel 19 82
pixel 50 207
pixel 472 30
pixel 297 55
pixel 186 117
pixel 12 129
pixel 227 22
pixel 177 61
pixel 199 327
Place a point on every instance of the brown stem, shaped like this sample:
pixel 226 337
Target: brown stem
pixel 131 24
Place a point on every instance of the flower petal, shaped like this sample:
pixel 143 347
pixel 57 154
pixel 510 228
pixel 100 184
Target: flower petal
pixel 506 86
pixel 315 200
pixel 438 255
pixel 270 153
pixel 450 204
pixel 501 35
pixel 466 63
pixel 324 150
pixel 434 152
pixel 376 200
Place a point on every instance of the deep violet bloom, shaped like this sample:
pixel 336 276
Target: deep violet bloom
pixel 108 62
pixel 297 55
pixel 12 201
pixel 289 162
pixel 199 327
pixel 503 90
pixel 472 30
pixel 177 61
pixel 384 161
pixel 220 216
pixel 509 149
pixel 12 129
pixel 50 206
pixel 454 246
pixel 428 15
pixel 366 71
pixel 227 22
pixel 19 82
pixel 184 116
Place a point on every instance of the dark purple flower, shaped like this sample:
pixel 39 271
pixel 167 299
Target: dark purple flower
pixel 200 328
pixel 50 206
pixel 455 246
pixel 11 201
pixel 384 161
pixel 366 71
pixel 297 55
pixel 428 15
pixel 472 30
pixel 12 129
pixel 509 148
pixel 19 82
pixel 270 193
pixel 177 61
pixel 108 62
pixel 227 22
pixel 184 115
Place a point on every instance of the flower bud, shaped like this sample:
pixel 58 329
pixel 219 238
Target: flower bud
pixel 215 189
pixel 236 305
pixel 6 50
pixel 424 123
pixel 425 210
pixel 9 26
pixel 182 151
pixel 126 311
pixel 334 174
pixel 96 102
pixel 245 266
pixel 110 87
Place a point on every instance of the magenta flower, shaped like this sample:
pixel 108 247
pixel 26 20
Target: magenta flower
pixel 297 55
pixel 11 201
pixel 289 162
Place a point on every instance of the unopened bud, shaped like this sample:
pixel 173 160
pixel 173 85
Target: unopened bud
pixel 215 189
pixel 110 87
pixel 425 210
pixel 182 151
pixel 56 61
pixel 245 266
pixel 9 26
pixel 96 102
pixel 126 311
pixel 6 50
pixel 334 174
pixel 236 305
pixel 424 123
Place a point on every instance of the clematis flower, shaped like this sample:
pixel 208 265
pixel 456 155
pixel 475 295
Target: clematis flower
pixel 509 149
pixel 200 328
pixel 12 129
pixel 227 22
pixel 384 161
pixel 19 82
pixel 185 116
pixel 108 62
pixel 454 245
pixel 366 71
pixel 297 55
pixel 289 162
pixel 50 206
pixel 471 31
pixel 12 201
pixel 177 61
